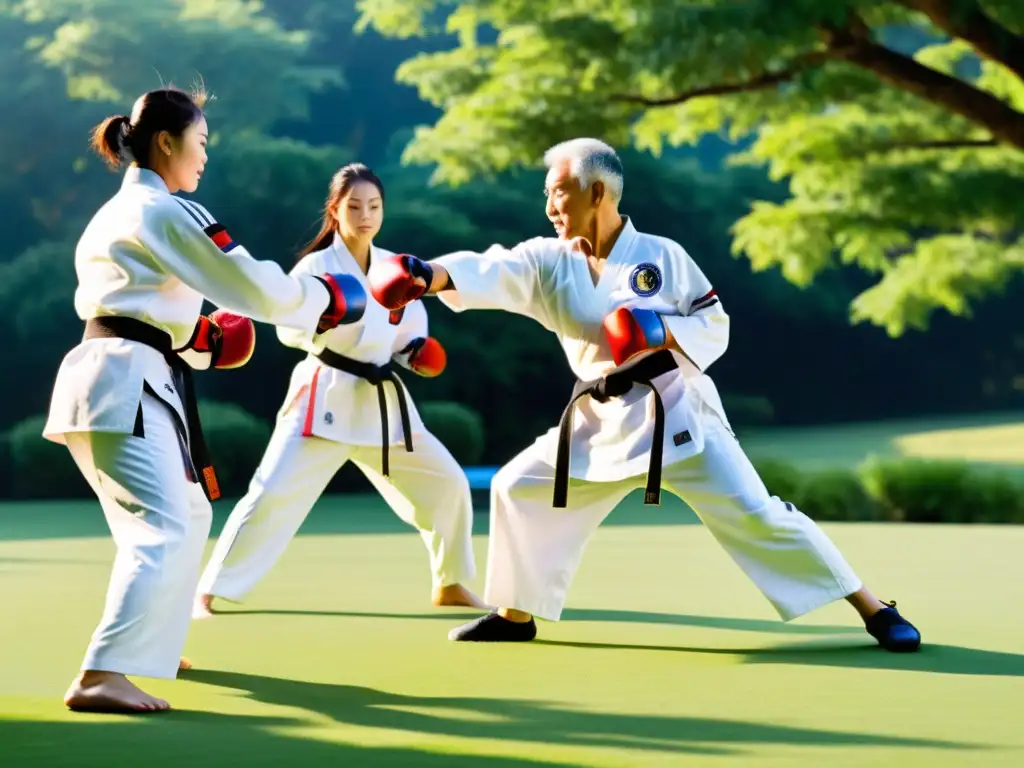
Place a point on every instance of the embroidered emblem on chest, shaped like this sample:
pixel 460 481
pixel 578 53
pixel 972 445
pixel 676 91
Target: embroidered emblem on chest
pixel 645 280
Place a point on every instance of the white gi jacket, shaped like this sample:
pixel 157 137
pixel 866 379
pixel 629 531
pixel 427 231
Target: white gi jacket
pixel 544 279
pixel 336 405
pixel 152 256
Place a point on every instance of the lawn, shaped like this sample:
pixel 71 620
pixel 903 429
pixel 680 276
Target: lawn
pixel 995 439
pixel 667 656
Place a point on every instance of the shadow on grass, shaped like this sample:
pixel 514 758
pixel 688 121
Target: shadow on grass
pixel 537 722
pixel 195 739
pixel 940 659
pixel 583 614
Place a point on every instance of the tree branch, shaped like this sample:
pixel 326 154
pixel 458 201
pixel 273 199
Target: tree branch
pixel 980 107
pixel 969 22
pixel 759 83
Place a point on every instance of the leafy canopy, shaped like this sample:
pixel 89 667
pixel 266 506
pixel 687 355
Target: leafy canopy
pixel 898 124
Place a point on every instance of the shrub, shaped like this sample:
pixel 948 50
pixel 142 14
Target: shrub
pixel 460 428
pixel 38 468
pixel 780 478
pixel 920 491
pixel 836 495
pixel 748 410
pixel 236 440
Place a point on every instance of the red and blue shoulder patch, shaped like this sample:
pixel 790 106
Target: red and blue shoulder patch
pixel 219 234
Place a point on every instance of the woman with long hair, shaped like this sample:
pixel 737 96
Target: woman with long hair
pixel 346 403
pixel 123 400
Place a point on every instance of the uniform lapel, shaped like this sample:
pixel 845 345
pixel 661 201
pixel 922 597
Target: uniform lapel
pixel 615 263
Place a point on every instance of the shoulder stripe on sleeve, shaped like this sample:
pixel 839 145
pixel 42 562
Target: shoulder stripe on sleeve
pixel 220 237
pixel 189 211
pixel 202 213
pixel 709 299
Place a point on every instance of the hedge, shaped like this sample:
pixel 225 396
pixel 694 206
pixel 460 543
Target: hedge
pixel 36 468
pixel 459 428
pixel 891 490
pixel 900 490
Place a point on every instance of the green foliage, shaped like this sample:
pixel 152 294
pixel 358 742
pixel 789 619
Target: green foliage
pixel 781 478
pixel 910 181
pixel 38 468
pixel 942 492
pixel 748 410
pixel 902 490
pixel 236 440
pixel 254 67
pixel 459 428
pixel 836 495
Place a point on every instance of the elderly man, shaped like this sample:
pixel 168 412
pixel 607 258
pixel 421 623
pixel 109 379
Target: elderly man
pixel 640 325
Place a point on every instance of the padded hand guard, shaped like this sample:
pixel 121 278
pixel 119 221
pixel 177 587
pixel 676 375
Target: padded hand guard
pixel 632 331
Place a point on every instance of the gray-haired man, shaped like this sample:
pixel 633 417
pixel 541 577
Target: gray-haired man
pixel 640 325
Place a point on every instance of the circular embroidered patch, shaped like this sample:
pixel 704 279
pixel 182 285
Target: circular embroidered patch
pixel 645 279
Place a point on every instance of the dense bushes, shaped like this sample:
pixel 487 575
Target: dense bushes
pixel 459 428
pixel 35 468
pixel 899 490
pixel 902 490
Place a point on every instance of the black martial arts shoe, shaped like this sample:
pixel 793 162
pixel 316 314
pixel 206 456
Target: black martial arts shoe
pixel 892 631
pixel 493 628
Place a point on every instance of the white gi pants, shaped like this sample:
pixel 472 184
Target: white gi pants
pixel 427 489
pixel 160 523
pixel 534 549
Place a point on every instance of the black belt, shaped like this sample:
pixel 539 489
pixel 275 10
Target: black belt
pixel 195 452
pixel 376 375
pixel 616 384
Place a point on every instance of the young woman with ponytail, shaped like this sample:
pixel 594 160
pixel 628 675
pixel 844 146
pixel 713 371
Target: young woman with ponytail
pixel 123 400
pixel 346 403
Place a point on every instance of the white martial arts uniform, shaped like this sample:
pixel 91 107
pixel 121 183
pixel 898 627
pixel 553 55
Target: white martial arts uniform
pixel 535 548
pixel 330 417
pixel 153 257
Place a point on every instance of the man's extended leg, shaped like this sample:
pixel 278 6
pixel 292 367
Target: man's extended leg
pixel 534 549
pixel 787 556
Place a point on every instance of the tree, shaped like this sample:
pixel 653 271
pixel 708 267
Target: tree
pixel 899 124
pixel 73 61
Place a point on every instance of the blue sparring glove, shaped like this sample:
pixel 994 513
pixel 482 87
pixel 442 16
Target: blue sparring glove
pixel 348 301
pixel 631 331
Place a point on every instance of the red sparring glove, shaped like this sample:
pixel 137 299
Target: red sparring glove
pixel 426 357
pixel 348 301
pixel 398 280
pixel 222 340
pixel 631 331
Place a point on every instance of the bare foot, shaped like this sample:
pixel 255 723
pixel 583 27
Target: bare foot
pixel 184 664
pixel 202 608
pixel 519 617
pixel 456 594
pixel 110 692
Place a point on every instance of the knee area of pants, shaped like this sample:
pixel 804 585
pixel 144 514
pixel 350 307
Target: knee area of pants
pixel 772 513
pixel 505 483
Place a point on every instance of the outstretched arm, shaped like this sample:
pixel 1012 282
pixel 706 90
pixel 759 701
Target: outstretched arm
pixel 498 278
pixel 188 243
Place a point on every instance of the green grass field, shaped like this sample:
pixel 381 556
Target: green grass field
pixel 995 439
pixel 666 656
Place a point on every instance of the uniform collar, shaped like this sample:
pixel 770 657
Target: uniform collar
pixel 624 241
pixel 339 244
pixel 145 177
